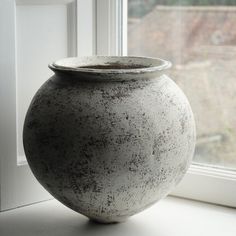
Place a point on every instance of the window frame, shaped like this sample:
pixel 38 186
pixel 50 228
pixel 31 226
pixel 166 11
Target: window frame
pixel 111 27
pixel 208 184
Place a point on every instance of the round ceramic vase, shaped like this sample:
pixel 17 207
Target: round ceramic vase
pixel 109 136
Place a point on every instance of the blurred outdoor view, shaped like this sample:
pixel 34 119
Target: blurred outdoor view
pixel 199 38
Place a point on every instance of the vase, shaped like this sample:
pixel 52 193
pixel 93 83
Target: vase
pixel 109 136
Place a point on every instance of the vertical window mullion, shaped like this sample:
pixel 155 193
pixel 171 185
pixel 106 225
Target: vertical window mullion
pixel 111 27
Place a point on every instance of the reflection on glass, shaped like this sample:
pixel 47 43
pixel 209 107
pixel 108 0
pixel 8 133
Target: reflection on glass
pixel 199 37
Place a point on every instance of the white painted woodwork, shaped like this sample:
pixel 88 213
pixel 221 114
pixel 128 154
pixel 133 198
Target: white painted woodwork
pixel 33 34
pixel 39 41
pixel 111 26
pixel 208 184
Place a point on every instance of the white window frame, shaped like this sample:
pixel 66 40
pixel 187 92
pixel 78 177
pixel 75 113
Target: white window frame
pixel 208 184
pixel 102 27
pixel 111 27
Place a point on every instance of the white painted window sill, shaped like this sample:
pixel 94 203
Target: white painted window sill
pixel 170 217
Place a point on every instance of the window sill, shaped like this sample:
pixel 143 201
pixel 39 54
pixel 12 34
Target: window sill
pixel 171 216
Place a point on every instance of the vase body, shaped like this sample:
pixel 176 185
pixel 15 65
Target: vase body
pixel 109 142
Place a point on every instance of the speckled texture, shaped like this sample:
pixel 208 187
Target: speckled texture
pixel 109 143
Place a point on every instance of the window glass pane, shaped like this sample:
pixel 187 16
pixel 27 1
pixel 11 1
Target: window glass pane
pixel 199 37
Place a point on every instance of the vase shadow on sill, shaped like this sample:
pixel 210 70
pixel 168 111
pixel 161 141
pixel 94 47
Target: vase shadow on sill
pixel 127 228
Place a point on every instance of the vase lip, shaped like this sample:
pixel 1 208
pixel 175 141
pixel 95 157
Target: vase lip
pixel 115 65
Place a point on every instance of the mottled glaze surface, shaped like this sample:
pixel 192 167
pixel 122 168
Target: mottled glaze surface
pixel 109 143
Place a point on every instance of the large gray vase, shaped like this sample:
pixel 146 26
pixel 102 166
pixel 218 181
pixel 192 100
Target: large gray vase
pixel 109 136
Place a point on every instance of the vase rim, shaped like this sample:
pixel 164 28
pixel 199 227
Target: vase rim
pixel 110 65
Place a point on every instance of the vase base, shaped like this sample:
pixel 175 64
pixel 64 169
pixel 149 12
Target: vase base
pixel 107 221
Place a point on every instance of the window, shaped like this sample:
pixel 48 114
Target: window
pixel 199 38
